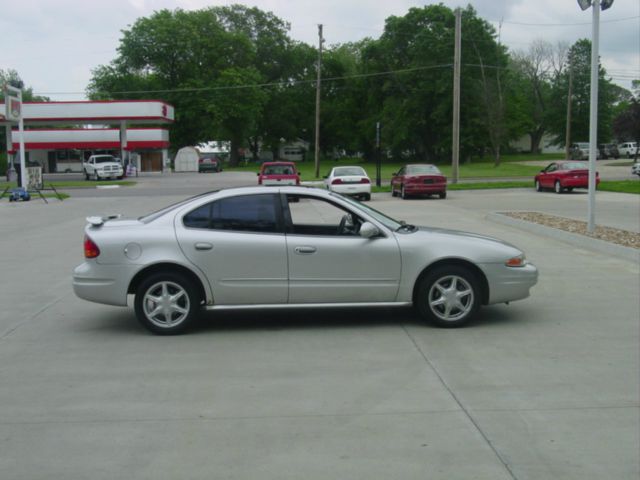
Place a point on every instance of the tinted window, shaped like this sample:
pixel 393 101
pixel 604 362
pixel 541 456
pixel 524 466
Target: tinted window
pixel 278 170
pixel 248 213
pixel 345 171
pixel 422 169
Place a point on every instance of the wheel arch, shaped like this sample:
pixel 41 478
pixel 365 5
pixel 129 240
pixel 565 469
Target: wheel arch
pixel 167 267
pixel 460 262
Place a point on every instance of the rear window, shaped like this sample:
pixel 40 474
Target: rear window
pixel 279 170
pixel 575 166
pixel 346 171
pixel 423 169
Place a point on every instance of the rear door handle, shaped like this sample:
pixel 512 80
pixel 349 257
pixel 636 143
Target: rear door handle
pixel 305 250
pixel 203 246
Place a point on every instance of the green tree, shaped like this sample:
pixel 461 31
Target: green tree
pixel 579 62
pixel 626 125
pixel 209 63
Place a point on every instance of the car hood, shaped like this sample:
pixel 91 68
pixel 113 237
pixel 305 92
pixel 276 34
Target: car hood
pixel 445 243
pixel 108 164
pixel 462 234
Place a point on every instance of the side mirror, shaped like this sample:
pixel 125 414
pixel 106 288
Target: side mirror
pixel 258 174
pixel 394 174
pixel 369 230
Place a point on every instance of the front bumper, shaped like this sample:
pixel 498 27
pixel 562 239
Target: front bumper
pixel 507 284
pixel 110 174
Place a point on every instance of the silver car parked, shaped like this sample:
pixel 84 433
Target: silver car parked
pixel 292 246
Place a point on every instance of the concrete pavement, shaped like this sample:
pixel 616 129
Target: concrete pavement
pixel 547 387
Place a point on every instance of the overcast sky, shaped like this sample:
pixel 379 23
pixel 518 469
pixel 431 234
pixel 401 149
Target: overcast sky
pixel 54 44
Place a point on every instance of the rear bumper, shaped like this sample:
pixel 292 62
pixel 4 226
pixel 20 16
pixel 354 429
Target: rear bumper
pixel 283 181
pixel 106 284
pixel 351 189
pixel 582 182
pixel 424 188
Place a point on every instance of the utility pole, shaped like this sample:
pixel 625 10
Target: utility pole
pixel 378 157
pixel 317 146
pixel 455 147
pixel 567 140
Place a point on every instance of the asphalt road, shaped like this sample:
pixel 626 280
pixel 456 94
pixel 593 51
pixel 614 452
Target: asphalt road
pixel 545 388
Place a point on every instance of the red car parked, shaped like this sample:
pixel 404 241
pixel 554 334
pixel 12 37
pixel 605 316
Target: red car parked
pixel 564 176
pixel 419 179
pixel 278 173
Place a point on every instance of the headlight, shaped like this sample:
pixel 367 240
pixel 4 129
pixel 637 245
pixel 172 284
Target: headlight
pixel 519 261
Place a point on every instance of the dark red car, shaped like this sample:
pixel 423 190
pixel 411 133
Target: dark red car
pixel 419 179
pixel 278 173
pixel 564 176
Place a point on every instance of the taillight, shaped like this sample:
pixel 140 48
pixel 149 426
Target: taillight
pixel 365 180
pixel 336 181
pixel 91 250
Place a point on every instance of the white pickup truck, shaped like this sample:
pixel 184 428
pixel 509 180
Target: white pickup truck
pixel 102 166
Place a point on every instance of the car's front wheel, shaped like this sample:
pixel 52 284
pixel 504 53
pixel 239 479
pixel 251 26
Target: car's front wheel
pixel 448 296
pixel 403 193
pixel 166 303
pixel 538 186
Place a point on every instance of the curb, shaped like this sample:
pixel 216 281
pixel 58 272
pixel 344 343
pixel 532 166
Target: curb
pixel 582 241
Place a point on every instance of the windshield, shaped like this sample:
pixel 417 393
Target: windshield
pixel 105 159
pixel 380 217
pixel 422 169
pixel 344 171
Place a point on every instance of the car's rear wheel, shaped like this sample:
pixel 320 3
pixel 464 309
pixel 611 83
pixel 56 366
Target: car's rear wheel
pixel 166 303
pixel 86 175
pixel 557 187
pixel 448 296
pixel 443 194
pixel 367 197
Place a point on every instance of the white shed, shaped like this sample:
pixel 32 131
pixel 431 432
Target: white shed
pixel 187 160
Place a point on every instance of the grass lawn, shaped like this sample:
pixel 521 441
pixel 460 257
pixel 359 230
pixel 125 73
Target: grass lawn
pixel 78 183
pixel 472 170
pixel 621 186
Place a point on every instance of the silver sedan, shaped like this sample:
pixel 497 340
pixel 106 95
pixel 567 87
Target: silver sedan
pixel 296 247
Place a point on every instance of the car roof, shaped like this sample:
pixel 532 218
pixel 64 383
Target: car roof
pixel 278 163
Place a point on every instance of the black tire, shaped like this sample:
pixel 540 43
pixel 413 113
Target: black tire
pixel 569 189
pixel 454 285
pixel 367 197
pixel 557 187
pixel 393 192
pixel 403 194
pixel 443 195
pixel 86 176
pixel 184 306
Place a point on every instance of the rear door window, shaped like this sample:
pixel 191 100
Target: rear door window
pixel 245 213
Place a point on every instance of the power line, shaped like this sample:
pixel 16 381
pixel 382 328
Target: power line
pixel 258 85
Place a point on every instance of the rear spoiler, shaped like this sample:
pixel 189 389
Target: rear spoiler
pixel 96 221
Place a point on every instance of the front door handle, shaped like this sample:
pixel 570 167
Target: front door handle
pixel 305 250
pixel 203 246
